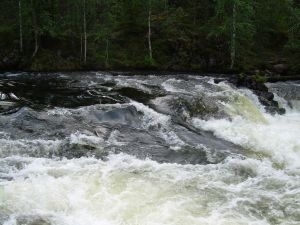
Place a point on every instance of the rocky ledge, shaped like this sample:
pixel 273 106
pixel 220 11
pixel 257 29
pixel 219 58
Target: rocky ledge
pixel 257 84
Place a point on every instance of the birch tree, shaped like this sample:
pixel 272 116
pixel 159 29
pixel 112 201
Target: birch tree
pixel 234 25
pixel 35 28
pixel 20 26
pixel 233 36
pixel 149 32
pixel 84 31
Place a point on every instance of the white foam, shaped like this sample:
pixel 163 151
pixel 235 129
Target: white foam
pixel 125 190
pixel 278 137
pixel 80 138
pixel 154 120
pixel 3 96
pixel 38 147
pixel 59 112
pixel 134 83
pixel 44 147
pixel 113 139
pixel 169 86
pixel 150 116
pixel 172 139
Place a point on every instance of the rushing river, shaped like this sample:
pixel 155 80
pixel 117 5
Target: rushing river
pixel 102 149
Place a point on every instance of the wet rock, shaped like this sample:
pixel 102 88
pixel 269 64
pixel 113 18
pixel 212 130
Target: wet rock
pixel 128 115
pixel 101 131
pixel 184 107
pixel 195 107
pixel 257 85
pixel 135 94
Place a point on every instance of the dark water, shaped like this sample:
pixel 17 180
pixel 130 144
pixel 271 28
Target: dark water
pixel 93 148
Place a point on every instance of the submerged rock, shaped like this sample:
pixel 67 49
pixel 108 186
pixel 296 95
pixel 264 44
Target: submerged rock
pixel 32 220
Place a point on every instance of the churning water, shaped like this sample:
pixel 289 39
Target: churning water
pixel 93 149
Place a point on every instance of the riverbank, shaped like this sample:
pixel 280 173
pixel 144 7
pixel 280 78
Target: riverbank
pixel 273 68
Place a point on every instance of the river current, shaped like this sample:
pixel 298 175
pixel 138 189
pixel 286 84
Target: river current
pixel 102 149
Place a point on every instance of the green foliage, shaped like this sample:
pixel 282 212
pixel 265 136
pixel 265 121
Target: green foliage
pixel 185 34
pixel 260 78
pixel 293 45
pixel 222 23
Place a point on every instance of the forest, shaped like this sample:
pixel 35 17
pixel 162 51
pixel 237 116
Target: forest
pixel 180 35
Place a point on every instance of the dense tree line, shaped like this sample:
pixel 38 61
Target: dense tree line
pixel 165 34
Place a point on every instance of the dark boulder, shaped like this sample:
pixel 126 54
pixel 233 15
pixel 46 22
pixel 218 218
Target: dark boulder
pixel 256 84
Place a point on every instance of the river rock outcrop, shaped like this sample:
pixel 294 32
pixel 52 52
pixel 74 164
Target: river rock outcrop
pixel 257 85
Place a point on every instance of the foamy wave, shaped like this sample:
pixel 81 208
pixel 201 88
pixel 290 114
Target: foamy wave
pixel 49 148
pixel 125 190
pixel 151 117
pixel 278 137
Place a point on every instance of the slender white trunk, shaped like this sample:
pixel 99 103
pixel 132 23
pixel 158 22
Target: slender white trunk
pixel 149 32
pixel 36 44
pixel 106 52
pixel 233 37
pixel 84 30
pixel 36 48
pixel 21 26
pixel 81 47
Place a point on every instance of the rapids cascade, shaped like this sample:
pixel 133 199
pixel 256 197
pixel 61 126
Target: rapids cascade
pixel 101 149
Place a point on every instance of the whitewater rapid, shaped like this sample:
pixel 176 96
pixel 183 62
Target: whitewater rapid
pixel 108 167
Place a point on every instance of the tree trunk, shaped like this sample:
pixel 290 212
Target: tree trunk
pixel 84 30
pixel 149 32
pixel 36 45
pixel 233 37
pixel 81 47
pixel 106 53
pixel 21 26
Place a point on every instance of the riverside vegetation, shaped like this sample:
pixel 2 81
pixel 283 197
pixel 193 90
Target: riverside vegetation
pixel 203 35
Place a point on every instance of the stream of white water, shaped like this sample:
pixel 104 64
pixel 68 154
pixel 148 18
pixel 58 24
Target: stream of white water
pixel 260 186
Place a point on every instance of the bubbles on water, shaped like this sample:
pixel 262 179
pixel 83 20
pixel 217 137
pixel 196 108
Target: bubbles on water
pixel 151 118
pixel 125 190
pixel 277 137
pixel 60 166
